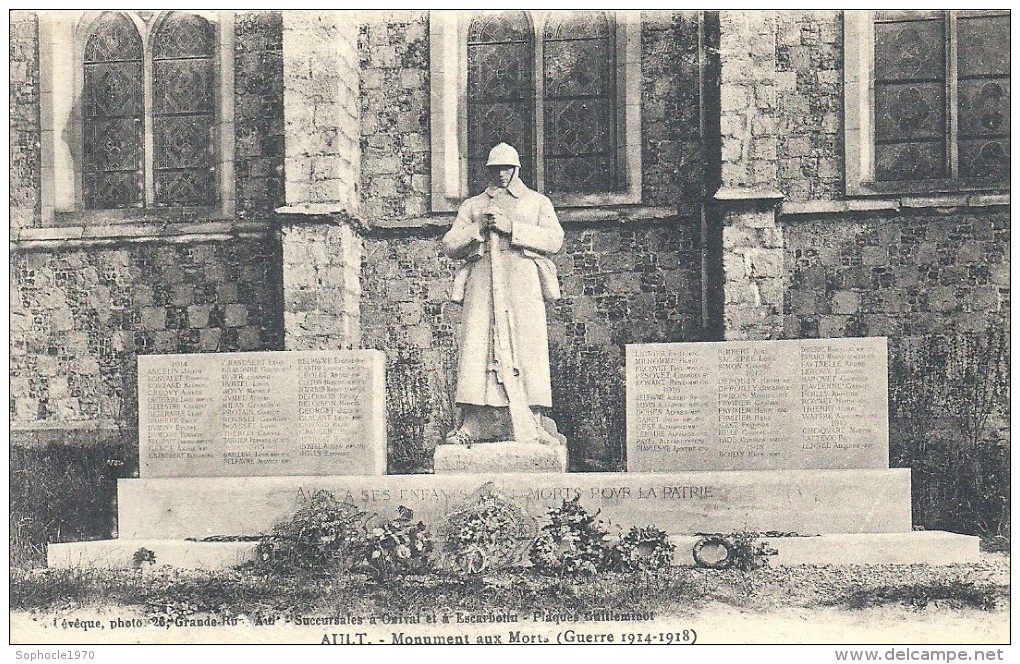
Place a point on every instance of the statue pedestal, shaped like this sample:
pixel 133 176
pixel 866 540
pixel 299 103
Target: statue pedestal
pixel 500 457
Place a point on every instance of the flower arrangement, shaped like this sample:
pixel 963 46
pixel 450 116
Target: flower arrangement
pixel 744 550
pixel 143 558
pixel 396 547
pixel 490 534
pixel 643 549
pixel 324 534
pixel 573 542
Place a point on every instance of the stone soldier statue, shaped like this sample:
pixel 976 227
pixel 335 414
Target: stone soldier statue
pixel 506 234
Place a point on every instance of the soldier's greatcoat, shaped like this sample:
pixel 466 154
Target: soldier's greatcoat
pixel 531 279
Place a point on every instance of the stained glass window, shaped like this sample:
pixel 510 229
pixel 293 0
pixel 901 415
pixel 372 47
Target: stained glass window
pixel 500 91
pixel 577 102
pixel 982 56
pixel 937 117
pixel 163 77
pixel 910 102
pixel 113 115
pixel 183 113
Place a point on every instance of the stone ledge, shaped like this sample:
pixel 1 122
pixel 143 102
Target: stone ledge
pixel 117 554
pixel 616 214
pixel 315 210
pixel 749 195
pixel 74 237
pixel 569 216
pixel 897 204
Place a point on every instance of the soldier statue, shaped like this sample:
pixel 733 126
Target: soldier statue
pixel 506 235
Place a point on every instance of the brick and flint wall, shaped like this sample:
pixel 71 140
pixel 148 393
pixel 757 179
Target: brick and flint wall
pixel 82 311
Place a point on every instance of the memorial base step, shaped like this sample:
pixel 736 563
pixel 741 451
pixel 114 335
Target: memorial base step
pixel 803 501
pixel 119 554
pixel 500 457
pixel 929 547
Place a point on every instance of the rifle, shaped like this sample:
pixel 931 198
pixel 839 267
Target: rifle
pixel 504 361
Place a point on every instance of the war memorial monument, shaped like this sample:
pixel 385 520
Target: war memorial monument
pixel 789 439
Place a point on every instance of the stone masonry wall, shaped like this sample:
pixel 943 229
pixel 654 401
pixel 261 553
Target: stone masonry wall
pixel 671 156
pixel 393 52
pixel 321 285
pixel 748 102
pixel 80 317
pixel 321 249
pixel 321 110
pixel 258 112
pixel 782 102
pixel 897 275
pixel 809 87
pixel 629 284
pixel 24 119
pixel 753 286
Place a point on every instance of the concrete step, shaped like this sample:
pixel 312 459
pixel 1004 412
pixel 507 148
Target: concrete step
pixel 929 547
pixel 119 553
pixel 803 501
pixel 932 547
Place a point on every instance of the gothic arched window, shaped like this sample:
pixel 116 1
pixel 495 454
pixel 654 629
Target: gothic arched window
pixel 149 116
pixel 113 115
pixel 137 121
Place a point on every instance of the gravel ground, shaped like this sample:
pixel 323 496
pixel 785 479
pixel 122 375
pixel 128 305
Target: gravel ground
pixel 907 604
pixel 984 584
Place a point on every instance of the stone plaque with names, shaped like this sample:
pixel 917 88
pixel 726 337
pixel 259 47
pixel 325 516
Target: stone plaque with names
pixel 262 414
pixel 751 405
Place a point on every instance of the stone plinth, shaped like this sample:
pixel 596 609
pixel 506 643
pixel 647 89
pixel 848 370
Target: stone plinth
pixel 756 405
pixel 262 414
pixel 500 457
pixel 929 548
pixel 803 501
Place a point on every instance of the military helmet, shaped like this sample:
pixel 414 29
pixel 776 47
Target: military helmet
pixel 503 154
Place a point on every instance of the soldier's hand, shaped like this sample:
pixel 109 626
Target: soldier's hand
pixel 499 222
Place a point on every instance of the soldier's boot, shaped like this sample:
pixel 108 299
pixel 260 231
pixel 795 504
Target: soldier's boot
pixel 545 428
pixel 480 424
